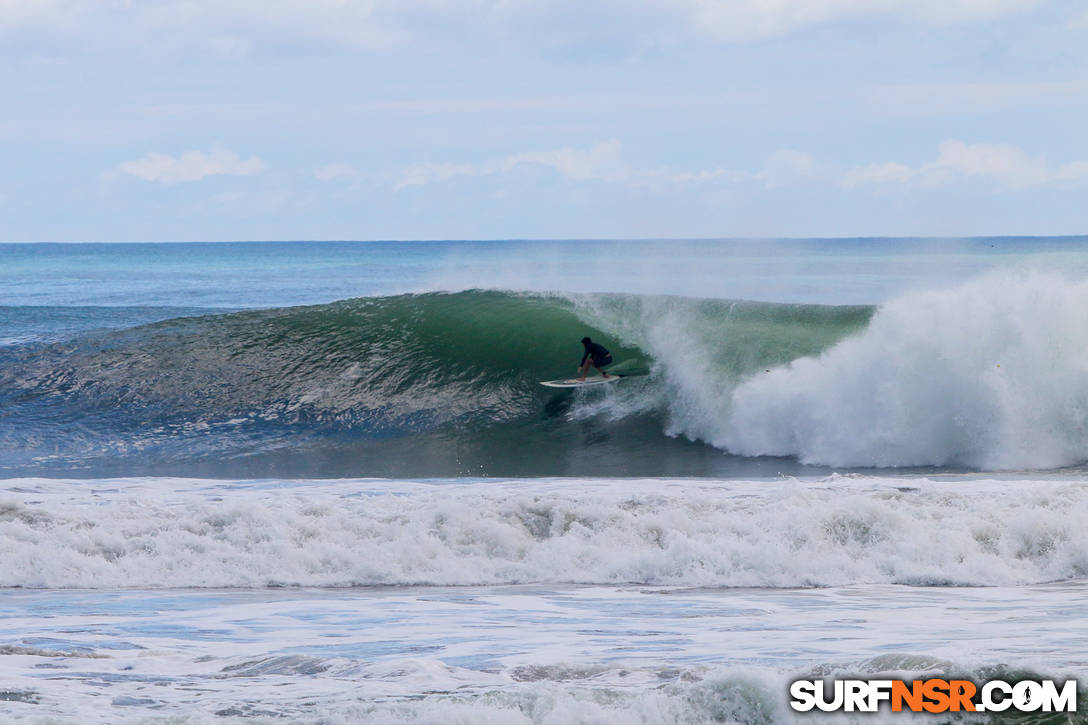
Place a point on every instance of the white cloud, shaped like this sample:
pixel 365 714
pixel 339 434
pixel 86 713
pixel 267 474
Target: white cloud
pixel 604 162
pixel 224 26
pixel 423 174
pixel 471 105
pixel 929 98
pixel 750 19
pixel 600 162
pixel 191 166
pixel 1073 171
pixel 1004 164
pixel 887 173
pixel 1078 21
pixel 786 166
pixel 690 178
pixel 240 26
pixel 335 172
pixel 56 13
pixel 260 202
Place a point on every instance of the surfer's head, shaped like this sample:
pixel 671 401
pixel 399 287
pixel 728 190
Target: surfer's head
pixel 586 341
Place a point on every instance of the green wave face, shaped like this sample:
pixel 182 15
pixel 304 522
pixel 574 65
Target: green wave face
pixel 387 382
pixel 733 338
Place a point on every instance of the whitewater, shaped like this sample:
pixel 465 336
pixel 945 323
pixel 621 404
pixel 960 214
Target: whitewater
pixel 314 482
pixel 162 533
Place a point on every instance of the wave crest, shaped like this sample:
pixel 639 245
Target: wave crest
pixel 992 374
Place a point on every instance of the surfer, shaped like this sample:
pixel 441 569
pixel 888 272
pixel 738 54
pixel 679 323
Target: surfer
pixel 595 355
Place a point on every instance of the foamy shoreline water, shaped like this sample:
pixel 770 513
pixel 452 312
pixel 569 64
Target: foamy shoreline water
pixel 510 654
pixel 156 533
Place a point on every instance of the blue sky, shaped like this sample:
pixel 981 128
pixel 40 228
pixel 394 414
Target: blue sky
pixel 421 119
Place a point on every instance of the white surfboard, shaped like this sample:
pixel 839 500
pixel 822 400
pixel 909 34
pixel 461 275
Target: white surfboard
pixel 576 383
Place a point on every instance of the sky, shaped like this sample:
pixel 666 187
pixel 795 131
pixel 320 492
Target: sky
pixel 193 120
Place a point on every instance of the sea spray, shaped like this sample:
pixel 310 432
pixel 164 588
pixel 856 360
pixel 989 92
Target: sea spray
pixel 991 374
pixel 702 349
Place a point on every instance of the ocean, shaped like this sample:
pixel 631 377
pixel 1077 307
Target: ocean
pixel 319 482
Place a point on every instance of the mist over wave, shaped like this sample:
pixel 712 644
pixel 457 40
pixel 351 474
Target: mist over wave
pixel 992 374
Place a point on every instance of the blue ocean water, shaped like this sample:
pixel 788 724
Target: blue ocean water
pixel 319 482
pixel 273 274
pixel 421 359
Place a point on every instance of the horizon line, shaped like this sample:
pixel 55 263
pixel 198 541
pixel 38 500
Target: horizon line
pixel 952 237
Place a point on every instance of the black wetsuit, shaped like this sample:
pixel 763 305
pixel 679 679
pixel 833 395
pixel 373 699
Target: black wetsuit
pixel 601 357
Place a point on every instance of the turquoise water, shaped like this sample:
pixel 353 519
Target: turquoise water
pixel 391 359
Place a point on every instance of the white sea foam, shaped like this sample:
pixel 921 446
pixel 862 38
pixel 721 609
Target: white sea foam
pixel 736 695
pixel 508 654
pixel 750 696
pixel 172 533
pixel 990 374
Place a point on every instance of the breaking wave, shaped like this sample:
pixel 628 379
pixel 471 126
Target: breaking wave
pixel 988 375
pixel 178 533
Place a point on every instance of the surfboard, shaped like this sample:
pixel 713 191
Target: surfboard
pixel 576 383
